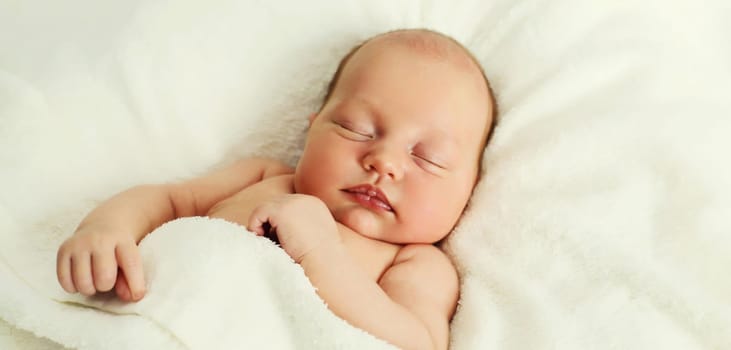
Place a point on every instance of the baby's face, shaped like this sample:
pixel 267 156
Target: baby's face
pixel 394 153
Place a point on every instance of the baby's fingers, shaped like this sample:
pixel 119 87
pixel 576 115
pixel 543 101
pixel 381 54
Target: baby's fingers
pixel 121 287
pixel 81 273
pixel 259 221
pixel 104 270
pixel 130 262
pixel 63 271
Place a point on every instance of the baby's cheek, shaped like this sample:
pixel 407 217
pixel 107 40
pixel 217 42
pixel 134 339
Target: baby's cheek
pixel 429 223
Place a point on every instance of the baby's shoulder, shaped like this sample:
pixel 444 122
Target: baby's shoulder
pixel 422 254
pixel 425 275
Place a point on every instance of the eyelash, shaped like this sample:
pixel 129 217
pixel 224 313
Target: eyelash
pixel 358 133
pixel 425 159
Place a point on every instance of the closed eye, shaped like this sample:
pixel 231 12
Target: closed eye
pixel 425 160
pixel 353 133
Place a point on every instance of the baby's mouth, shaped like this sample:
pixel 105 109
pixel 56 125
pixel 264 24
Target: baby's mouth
pixel 370 196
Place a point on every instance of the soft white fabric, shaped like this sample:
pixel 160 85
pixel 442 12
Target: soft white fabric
pixel 212 282
pixel 601 220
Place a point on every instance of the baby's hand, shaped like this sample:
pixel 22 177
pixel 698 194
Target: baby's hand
pixel 302 223
pixel 95 260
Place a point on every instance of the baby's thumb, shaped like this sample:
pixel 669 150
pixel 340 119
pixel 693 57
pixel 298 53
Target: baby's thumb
pixel 130 264
pixel 122 288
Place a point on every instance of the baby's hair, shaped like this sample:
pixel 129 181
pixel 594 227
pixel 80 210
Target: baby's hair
pixel 428 46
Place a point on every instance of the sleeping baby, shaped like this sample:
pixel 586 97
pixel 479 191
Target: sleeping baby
pixel 389 164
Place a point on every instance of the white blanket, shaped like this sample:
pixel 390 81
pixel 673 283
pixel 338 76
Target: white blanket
pixel 602 220
pixel 209 282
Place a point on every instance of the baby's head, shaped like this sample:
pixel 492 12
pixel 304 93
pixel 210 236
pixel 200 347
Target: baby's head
pixel 395 150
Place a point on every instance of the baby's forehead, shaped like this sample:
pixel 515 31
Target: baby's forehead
pixel 423 43
pixel 451 61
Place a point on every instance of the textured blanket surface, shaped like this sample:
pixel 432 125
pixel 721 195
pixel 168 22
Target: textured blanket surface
pixel 213 282
pixel 601 221
pixel 210 283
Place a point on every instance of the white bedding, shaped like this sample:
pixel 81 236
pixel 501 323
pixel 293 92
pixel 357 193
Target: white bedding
pixel 601 221
pixel 212 284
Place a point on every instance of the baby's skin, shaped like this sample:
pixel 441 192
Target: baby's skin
pixel 373 256
pixel 389 164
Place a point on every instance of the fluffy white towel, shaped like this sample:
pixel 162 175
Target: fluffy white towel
pixel 211 283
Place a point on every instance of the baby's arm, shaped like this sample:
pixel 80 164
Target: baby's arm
pixel 106 240
pixel 411 305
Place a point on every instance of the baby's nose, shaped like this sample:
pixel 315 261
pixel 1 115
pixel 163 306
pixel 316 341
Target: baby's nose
pixel 384 162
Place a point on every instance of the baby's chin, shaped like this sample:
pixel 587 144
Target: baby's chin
pixel 383 228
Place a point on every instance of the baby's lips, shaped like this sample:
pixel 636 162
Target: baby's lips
pixel 371 191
